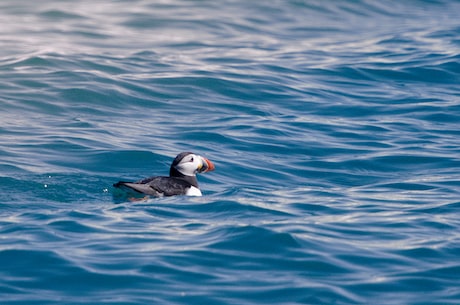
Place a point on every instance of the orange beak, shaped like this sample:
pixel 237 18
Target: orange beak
pixel 207 166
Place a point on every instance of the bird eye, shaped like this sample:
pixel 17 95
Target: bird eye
pixel 191 160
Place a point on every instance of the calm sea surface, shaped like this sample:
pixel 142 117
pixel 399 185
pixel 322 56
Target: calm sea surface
pixel 334 127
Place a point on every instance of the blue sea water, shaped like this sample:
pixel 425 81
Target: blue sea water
pixel 333 125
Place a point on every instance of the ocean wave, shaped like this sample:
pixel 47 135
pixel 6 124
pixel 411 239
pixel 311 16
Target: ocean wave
pixel 333 128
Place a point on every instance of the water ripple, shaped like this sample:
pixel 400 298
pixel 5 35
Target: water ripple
pixel 333 127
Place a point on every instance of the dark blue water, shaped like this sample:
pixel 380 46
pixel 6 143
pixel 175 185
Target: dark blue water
pixel 333 125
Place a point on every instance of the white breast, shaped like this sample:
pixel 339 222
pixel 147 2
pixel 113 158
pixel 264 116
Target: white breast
pixel 193 191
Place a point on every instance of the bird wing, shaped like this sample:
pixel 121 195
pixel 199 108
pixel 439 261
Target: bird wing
pixel 157 186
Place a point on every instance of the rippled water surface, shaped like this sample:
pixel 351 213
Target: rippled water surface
pixel 333 125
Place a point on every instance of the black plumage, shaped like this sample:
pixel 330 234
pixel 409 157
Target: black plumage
pixel 182 178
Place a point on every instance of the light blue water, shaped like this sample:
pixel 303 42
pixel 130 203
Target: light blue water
pixel 333 125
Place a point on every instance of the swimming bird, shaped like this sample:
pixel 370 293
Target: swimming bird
pixel 181 181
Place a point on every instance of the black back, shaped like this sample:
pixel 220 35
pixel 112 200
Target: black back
pixel 168 186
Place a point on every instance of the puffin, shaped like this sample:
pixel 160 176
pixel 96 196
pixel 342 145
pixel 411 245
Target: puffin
pixel 181 181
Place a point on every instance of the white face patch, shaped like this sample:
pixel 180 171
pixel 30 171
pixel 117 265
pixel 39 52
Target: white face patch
pixel 189 165
pixel 193 191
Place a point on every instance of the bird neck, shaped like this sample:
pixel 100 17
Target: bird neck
pixel 173 172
